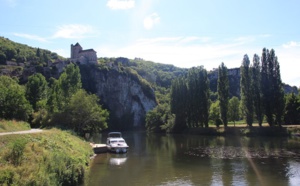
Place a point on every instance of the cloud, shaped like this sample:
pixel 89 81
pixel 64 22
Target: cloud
pixel 192 51
pixel 31 37
pixel 12 3
pixel 291 44
pixel 151 20
pixel 183 51
pixel 74 31
pixel 120 4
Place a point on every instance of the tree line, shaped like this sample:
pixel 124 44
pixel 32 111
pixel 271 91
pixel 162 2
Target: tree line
pixel 262 98
pixel 15 52
pixel 59 102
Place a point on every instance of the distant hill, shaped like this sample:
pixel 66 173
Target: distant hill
pixel 22 60
pixel 20 53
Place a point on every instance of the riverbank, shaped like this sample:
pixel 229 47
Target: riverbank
pixel 53 157
pixel 241 130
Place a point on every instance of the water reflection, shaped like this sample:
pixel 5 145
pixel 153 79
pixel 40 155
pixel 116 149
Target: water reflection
pixel 118 159
pixel 196 160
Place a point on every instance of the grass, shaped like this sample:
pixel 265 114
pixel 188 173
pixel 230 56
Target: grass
pixel 13 125
pixel 53 157
pixel 240 128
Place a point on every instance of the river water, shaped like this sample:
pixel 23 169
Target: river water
pixel 155 159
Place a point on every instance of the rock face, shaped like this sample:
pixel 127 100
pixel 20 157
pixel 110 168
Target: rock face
pixel 127 99
pixel 234 79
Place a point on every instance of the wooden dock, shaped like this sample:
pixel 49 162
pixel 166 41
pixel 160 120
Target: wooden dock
pixel 99 148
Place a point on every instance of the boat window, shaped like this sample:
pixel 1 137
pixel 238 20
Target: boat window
pixel 113 141
pixel 121 141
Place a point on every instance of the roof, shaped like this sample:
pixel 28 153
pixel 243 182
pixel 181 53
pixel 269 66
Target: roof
pixel 114 134
pixel 87 50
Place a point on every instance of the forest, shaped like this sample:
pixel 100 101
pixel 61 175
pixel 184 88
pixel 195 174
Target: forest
pixel 184 96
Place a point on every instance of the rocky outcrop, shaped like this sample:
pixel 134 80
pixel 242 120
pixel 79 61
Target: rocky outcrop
pixel 126 97
pixel 234 78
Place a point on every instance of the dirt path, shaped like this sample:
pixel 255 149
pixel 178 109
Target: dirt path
pixel 22 132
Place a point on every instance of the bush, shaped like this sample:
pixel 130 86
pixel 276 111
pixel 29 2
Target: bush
pixel 17 150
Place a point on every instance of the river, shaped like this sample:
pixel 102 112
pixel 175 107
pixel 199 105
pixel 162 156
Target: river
pixel 155 159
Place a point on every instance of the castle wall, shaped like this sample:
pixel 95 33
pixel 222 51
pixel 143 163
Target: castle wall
pixel 83 56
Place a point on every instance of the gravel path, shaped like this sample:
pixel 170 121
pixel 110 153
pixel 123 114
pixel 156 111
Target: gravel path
pixel 22 132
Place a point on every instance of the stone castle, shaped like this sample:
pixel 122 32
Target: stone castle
pixel 78 55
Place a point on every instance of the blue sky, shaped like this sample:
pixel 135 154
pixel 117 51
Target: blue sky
pixel 184 33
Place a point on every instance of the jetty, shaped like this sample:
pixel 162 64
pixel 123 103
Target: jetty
pixel 99 148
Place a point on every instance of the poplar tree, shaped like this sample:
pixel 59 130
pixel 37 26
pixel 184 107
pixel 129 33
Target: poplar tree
pixel 193 98
pixel 204 97
pixel 272 90
pixel 257 92
pixel 267 87
pixel 179 103
pixel 223 92
pixel 246 91
pixel 279 102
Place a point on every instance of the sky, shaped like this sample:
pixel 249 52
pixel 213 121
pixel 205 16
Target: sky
pixel 185 33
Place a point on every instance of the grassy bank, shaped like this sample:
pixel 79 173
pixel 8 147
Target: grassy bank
pixel 53 157
pixel 241 130
pixel 12 126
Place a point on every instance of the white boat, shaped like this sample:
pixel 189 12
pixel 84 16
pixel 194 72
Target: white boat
pixel 115 143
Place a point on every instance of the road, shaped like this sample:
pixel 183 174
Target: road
pixel 22 132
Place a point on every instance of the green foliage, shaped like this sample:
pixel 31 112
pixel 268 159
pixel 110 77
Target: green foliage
pixel 257 90
pixel 292 109
pixel 15 155
pixel 234 109
pixel 13 104
pixel 61 90
pixel 71 107
pixel 214 111
pixel 49 158
pixel 36 90
pixel 223 93
pixel 13 125
pixel 198 97
pixel 246 90
pixel 178 103
pixel 273 95
pixel 12 51
pixel 190 99
pixel 69 83
pixel 159 119
pixel 84 114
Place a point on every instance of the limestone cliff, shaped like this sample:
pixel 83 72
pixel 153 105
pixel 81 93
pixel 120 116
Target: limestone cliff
pixel 126 96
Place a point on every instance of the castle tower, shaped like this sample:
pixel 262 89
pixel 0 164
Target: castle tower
pixel 75 49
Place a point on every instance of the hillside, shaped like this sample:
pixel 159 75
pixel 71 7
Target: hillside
pixel 22 61
pixel 128 88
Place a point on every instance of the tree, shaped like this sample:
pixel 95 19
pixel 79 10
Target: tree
pixel 257 92
pixel 223 92
pixel 292 110
pixel 54 97
pixel 178 103
pixel 198 97
pixel 273 95
pixel 36 90
pixel 84 114
pixel 204 97
pixel 246 90
pixel 68 84
pixel 234 109
pixel 279 102
pixel 214 111
pixel 157 119
pixel 13 104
